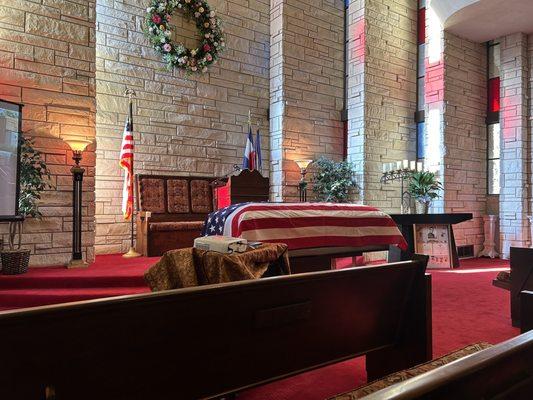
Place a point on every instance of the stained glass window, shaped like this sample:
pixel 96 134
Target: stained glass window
pixel 493 117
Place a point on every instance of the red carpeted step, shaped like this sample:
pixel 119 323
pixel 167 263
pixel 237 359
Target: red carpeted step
pixel 59 280
pixel 107 271
pixel 21 298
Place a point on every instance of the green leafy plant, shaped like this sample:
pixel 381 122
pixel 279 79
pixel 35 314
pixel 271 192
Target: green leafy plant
pixel 332 181
pixel 34 178
pixel 424 186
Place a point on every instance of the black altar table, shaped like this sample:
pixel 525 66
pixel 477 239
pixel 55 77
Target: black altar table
pixel 407 223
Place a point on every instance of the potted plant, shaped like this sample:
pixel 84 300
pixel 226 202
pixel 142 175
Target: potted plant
pixel 334 181
pixel 424 188
pixel 34 178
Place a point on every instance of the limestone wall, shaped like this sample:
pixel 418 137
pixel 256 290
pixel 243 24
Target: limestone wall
pixel 382 95
pixel 47 62
pixel 465 135
pixel 194 126
pixel 515 143
pixel 307 87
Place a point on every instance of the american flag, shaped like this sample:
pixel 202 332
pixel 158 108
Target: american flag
pixel 306 225
pixel 126 162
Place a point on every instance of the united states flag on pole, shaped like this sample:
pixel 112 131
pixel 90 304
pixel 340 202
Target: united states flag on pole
pixel 248 160
pixel 126 162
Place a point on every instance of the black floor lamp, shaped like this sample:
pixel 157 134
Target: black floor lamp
pixel 77 145
pixel 302 186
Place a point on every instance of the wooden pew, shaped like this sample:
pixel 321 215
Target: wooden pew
pixel 504 371
pixel 207 341
pixel 521 279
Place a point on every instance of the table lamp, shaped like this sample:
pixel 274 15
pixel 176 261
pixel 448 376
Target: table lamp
pixel 78 145
pixel 303 164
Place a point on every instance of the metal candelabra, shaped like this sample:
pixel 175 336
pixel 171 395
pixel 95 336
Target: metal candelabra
pixel 400 175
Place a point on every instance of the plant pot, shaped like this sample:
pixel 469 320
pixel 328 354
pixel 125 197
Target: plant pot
pixel 421 208
pixel 15 262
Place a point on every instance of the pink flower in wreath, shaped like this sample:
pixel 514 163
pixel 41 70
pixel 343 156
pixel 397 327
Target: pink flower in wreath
pixel 167 47
pixel 156 19
pixel 209 57
pixel 206 47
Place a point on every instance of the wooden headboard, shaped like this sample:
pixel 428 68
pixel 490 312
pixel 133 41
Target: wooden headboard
pixel 173 194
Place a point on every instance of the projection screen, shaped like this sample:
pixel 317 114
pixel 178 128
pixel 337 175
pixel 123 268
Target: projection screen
pixel 10 127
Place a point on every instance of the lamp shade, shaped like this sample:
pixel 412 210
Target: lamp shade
pixel 303 164
pixel 76 143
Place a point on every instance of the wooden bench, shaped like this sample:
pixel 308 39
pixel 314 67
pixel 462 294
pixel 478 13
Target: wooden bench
pixel 171 211
pixel 504 371
pixel 521 278
pixel 212 340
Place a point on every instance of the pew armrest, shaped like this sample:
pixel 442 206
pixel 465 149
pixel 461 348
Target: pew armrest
pixel 526 310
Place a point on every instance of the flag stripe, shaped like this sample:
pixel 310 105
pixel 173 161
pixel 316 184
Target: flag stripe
pixel 306 225
pixel 126 163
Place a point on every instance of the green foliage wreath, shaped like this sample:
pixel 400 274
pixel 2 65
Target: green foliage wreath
pixel 176 55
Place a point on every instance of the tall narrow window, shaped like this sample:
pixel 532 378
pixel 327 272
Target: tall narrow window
pixel 344 114
pixel 420 81
pixel 493 118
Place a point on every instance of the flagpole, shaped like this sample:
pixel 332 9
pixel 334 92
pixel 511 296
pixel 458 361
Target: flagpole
pixel 130 94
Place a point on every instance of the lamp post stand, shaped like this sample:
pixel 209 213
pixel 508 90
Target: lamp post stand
pixel 77 182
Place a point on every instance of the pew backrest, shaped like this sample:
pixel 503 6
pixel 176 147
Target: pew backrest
pixel 206 341
pixel 504 371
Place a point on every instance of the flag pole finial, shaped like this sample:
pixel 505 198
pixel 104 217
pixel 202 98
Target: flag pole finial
pixel 130 93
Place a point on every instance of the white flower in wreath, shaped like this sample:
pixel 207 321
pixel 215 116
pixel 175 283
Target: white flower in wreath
pixel 194 68
pixel 163 39
pixel 212 14
pixel 168 33
pixel 204 70
pixel 179 5
pixel 187 1
pixel 193 52
pixel 207 36
pixel 201 10
pixel 149 10
pixel 197 14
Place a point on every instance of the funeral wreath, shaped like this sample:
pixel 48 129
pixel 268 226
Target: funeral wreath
pixel 176 55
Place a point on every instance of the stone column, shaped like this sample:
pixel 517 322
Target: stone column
pixel 306 78
pixel 381 93
pixel 465 136
pixel 514 178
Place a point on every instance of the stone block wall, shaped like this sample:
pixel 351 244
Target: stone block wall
pixel 465 135
pixel 515 122
pixel 189 126
pixel 307 84
pixel 47 62
pixel 382 93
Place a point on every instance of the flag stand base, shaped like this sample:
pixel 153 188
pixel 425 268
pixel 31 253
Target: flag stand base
pixel 131 253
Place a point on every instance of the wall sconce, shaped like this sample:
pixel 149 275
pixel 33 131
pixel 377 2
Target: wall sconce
pixel 303 164
pixel 78 145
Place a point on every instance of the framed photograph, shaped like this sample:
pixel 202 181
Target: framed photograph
pixel 434 241
pixel 10 131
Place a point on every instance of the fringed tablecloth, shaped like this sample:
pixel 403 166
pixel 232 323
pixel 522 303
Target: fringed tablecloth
pixel 193 267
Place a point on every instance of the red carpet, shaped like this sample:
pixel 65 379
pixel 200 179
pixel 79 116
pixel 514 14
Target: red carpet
pixel 466 309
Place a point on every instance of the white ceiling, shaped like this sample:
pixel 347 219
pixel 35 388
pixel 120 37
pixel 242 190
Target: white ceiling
pixel 483 20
